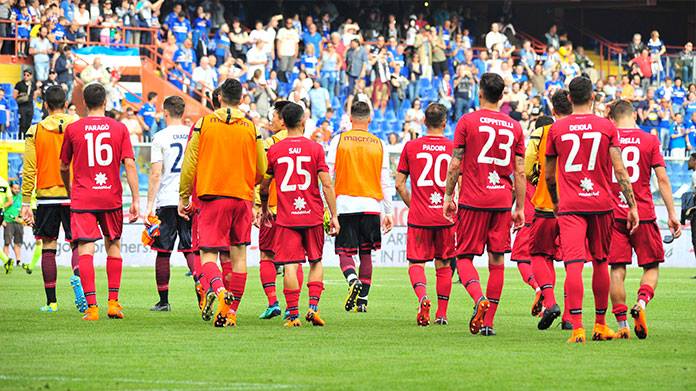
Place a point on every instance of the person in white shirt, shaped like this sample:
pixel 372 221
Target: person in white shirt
pixel 166 158
pixel 205 78
pixel 288 44
pixel 256 59
pixel 495 37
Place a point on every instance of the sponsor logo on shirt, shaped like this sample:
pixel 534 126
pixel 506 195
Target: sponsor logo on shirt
pixel 587 188
pixel 100 179
pixel 435 200
pixel 300 205
pixel 494 181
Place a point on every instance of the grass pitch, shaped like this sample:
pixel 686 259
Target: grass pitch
pixel 380 349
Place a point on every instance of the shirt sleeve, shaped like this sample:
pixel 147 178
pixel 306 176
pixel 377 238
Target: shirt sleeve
pixel 519 140
pixel 261 160
pixel 460 134
pixel 550 145
pixel 271 163
pixel 29 165
pixel 403 161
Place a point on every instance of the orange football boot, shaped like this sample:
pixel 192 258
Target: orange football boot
pixel 480 309
pixel 423 317
pixel 313 318
pixel 537 306
pixel 578 336
pixel 201 295
pixel 602 332
pixel 115 310
pixel 290 323
pixel 623 333
pixel 640 326
pixel 91 313
pixel 222 317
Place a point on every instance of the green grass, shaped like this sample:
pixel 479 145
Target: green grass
pixel 382 348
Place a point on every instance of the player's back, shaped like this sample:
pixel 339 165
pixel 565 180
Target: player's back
pixel 490 140
pixel 295 163
pixel 168 146
pixel 96 146
pixel 426 160
pixel 227 144
pixel 640 152
pixel 581 143
pixel 359 158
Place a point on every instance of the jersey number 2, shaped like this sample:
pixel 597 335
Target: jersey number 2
pixel 292 168
pixel 176 167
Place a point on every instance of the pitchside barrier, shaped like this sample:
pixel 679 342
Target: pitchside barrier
pixel 679 253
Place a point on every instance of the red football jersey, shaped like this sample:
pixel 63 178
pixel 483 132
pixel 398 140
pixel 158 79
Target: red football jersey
pixel 490 140
pixel 581 143
pixel 641 153
pixel 296 162
pixel 425 160
pixel 96 146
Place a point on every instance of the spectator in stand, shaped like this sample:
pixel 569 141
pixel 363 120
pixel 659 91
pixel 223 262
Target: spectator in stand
pixel 552 39
pixel 256 59
pixel 319 100
pixel 528 56
pixel 201 25
pixel 381 80
pixel 329 67
pixel 41 49
pixel 95 73
pixel 678 142
pixel 464 87
pixel 24 96
pixel 424 50
pixel 356 62
pixel 398 86
pixel 23 30
pixel 309 63
pixel 665 114
pixel 644 63
pixel 76 34
pixel 439 57
pixel 4 112
pixel 82 15
pixel 446 93
pixel 222 43
pixel 657 49
pixel 134 125
pixel 415 118
pixel 685 63
pixel 312 38
pixel 186 57
pixel 288 48
pixel 95 18
pixel 205 80
pixel 495 37
pixel 172 16
pixel 180 27
pixel 239 40
pixel 232 68
pixel 635 47
pixel 148 114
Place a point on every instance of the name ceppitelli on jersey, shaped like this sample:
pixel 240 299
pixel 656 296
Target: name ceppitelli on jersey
pixel 629 140
pixel 494 121
pixel 434 148
pixel 96 128
pixel 579 127
pixel 361 139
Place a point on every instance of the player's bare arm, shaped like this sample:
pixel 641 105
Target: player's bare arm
pixel 550 179
pixel 132 179
pixel 264 191
pixel 28 178
pixel 402 189
pixel 153 186
pixel 665 188
pixel 520 189
pixel 330 199
pixel 65 176
pixel 453 172
pixel 624 182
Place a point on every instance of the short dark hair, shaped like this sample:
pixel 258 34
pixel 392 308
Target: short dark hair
pixel 279 105
pixel 620 109
pixel 435 115
pixel 561 103
pixel 542 121
pixel 292 115
pixel 231 91
pixel 492 86
pixel 151 95
pixel 175 106
pixel 580 90
pixel 360 109
pixel 55 98
pixel 94 95
pixel 215 97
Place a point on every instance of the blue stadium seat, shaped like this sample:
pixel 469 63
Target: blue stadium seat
pixel 336 103
pixel 378 115
pixel 390 115
pixel 423 83
pixel 394 127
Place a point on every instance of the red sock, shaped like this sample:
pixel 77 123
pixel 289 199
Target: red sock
pixel 365 271
pixel 543 277
pixel 75 262
pixel 645 293
pixel 267 272
pixel 600 289
pixel 315 289
pixel 496 278
pixel 347 267
pixel 292 301
pixel 162 271
pixel 619 311
pixel 197 266
pixel 237 285
pixel 470 278
pixel 417 275
pixel 444 288
pixel 213 276
pixel 191 263
pixel 226 270
pixel 552 270
pixel 87 278
pixel 575 290
pixel 50 274
pixel 114 267
pixel 527 275
pixel 300 276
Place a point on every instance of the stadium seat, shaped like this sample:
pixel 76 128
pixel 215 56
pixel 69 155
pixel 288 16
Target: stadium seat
pixel 378 115
pixel 390 115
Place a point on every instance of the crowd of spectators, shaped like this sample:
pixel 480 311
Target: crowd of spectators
pixel 397 63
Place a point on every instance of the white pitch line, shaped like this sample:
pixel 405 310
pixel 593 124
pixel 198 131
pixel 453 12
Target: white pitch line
pixel 236 386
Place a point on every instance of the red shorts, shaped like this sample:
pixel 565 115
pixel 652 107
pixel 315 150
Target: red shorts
pixel 646 241
pixel 297 245
pixel 224 222
pixel 585 237
pixel 91 226
pixel 544 235
pixel 267 236
pixel 520 248
pixel 426 244
pixel 480 229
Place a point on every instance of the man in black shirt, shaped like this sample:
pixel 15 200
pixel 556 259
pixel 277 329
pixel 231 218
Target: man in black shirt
pixel 24 95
